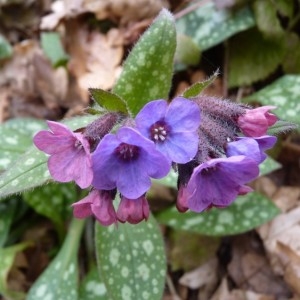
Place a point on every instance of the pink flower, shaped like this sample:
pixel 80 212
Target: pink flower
pixel 99 204
pixel 69 154
pixel 133 210
pixel 255 122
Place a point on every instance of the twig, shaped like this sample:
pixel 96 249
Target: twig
pixel 172 289
pixel 190 8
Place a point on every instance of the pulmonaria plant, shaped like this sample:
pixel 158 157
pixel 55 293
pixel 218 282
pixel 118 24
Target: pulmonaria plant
pixel 216 146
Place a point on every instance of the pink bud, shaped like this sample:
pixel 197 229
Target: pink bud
pixel 133 210
pixel 99 204
pixel 255 122
pixel 182 203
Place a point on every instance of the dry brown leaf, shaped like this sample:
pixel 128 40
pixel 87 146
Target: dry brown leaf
pixel 125 11
pixel 204 278
pixel 95 57
pixel 287 198
pixel 285 228
pixel 250 269
pixel 35 88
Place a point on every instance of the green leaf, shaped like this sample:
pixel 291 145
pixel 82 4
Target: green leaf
pixel 109 101
pixel 93 287
pixel 257 59
pixel 16 137
pixel 189 250
pixel 187 52
pixel 198 87
pixel 291 62
pixel 285 8
pixel 52 46
pixel 246 213
pixel 132 260
pixel 53 201
pixel 60 280
pixel 30 170
pixel 283 93
pixel 268 166
pixel 7 259
pixel 5 48
pixel 147 72
pixel 266 18
pixel 209 26
pixel 169 180
pixel 282 127
pixel 7 212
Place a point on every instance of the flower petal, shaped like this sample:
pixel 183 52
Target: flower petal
pixel 183 115
pixel 151 113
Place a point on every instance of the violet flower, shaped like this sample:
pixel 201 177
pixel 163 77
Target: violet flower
pixel 255 122
pixel 251 147
pixel 133 210
pixel 126 161
pixel 98 204
pixel 219 181
pixel 69 154
pixel 173 128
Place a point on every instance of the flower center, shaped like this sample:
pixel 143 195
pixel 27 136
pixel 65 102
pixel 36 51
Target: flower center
pixel 127 152
pixel 159 131
pixel 78 145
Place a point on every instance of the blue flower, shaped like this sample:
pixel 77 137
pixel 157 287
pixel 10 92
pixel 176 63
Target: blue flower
pixel 173 128
pixel 126 161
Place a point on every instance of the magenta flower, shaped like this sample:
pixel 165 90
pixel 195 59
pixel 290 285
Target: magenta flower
pixel 251 147
pixel 133 210
pixel 173 128
pixel 126 161
pixel 98 204
pixel 255 122
pixel 69 154
pixel 219 181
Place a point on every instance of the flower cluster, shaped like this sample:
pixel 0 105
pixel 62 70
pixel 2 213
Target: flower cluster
pixel 215 145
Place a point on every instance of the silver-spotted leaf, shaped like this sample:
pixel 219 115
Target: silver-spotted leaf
pixel 147 72
pixel 60 280
pixel 16 137
pixel 93 287
pixel 131 260
pixel 209 26
pixel 246 212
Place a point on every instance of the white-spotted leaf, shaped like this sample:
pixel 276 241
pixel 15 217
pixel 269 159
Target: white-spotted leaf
pixel 30 170
pixel 60 280
pixel 16 137
pixel 283 93
pixel 131 260
pixel 93 287
pixel 147 71
pixel 209 26
pixel 53 201
pixel 246 213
